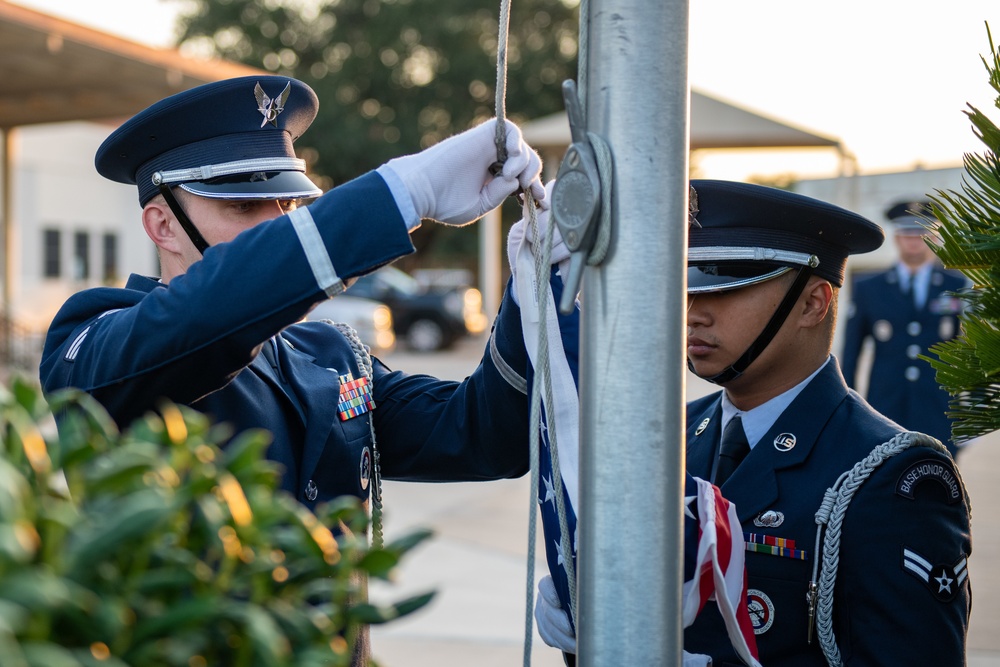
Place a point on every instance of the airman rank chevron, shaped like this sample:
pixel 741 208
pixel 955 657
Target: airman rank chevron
pixel 355 397
pixel 774 546
pixel 943 580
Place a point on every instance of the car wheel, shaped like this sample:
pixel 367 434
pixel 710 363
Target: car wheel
pixel 425 336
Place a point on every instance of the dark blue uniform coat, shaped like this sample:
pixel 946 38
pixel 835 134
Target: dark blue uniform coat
pixel 901 597
pixel 901 386
pixel 198 342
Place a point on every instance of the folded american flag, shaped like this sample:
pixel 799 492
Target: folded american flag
pixel 714 566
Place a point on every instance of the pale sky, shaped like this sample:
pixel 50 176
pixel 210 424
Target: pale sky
pixel 889 78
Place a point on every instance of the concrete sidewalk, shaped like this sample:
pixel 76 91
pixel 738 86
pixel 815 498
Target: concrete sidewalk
pixel 477 559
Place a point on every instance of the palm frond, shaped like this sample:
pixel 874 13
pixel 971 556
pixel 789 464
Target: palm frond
pixel 968 366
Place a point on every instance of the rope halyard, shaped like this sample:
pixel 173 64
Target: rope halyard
pixel 831 517
pixel 542 394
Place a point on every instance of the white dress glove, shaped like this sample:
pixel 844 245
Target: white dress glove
pixel 451 182
pixel 560 253
pixel 555 629
pixel 553 621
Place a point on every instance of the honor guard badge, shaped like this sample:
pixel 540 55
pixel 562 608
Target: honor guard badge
pixel 355 397
pixel 761 611
pixel 366 468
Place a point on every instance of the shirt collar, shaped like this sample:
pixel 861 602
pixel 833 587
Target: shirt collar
pixel 758 421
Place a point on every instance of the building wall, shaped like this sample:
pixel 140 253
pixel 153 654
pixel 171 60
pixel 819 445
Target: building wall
pixel 56 188
pixel 871 195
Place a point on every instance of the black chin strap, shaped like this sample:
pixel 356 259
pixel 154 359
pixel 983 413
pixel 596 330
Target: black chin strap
pixel 196 238
pixel 737 368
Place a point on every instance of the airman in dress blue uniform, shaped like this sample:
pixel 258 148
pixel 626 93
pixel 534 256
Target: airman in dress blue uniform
pixel 764 267
pixel 905 311
pixel 221 329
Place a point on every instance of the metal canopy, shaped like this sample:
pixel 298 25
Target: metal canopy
pixel 58 71
pixel 714 124
pixel 55 70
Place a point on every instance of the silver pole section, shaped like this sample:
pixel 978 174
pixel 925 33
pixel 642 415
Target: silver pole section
pixel 491 251
pixel 633 359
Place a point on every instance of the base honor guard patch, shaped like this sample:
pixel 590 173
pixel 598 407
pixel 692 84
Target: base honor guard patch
pixel 355 397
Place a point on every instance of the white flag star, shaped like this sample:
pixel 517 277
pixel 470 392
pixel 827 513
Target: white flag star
pixel 550 491
pixel 687 506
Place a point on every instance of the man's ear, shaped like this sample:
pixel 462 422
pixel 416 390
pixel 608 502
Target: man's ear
pixel 816 300
pixel 158 219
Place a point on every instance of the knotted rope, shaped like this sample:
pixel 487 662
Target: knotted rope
pixel 542 385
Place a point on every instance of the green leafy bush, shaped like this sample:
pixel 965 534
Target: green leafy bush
pixel 156 547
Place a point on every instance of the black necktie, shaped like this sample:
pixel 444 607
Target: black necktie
pixel 732 450
pixel 909 294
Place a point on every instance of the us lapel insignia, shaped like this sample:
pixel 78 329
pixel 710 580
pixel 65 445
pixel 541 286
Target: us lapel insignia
pixel 784 442
pixel 702 426
pixel 355 397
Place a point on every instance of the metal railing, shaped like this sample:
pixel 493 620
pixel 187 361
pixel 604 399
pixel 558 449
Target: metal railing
pixel 20 349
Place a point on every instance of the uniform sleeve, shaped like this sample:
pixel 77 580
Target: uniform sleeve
pixel 191 338
pixel 434 431
pixel 903 595
pixel 856 330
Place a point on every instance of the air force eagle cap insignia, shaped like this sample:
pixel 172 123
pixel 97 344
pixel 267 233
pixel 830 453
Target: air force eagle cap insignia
pixel 748 234
pixel 271 107
pixel 229 139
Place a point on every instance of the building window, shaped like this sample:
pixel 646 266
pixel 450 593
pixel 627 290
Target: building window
pixel 51 246
pixel 110 268
pixel 81 256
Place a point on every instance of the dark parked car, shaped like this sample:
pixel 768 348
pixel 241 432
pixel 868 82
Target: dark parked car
pixel 425 318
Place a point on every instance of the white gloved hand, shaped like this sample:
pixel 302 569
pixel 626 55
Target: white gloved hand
pixel 553 621
pixel 697 660
pixel 560 253
pixel 451 182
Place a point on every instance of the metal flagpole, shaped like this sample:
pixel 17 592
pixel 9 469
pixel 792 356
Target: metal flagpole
pixel 633 360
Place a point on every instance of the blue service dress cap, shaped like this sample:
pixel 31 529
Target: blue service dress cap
pixel 229 139
pixel 741 234
pixel 911 216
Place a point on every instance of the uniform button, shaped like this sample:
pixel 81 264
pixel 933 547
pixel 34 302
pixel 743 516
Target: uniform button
pixel 913 328
pixel 913 351
pixel 311 490
pixel 912 374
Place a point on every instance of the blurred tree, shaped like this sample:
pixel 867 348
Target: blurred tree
pixel 394 76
